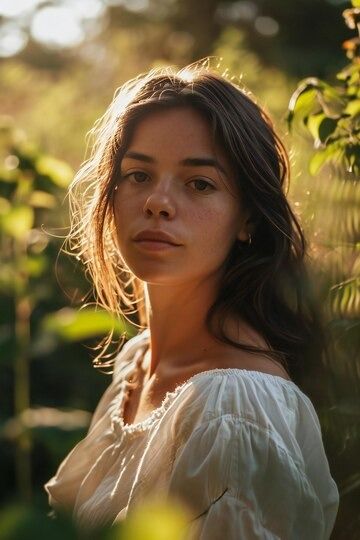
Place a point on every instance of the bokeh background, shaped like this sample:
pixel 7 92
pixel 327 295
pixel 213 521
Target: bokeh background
pixel 60 63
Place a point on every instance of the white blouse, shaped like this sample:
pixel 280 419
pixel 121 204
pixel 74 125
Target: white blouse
pixel 243 449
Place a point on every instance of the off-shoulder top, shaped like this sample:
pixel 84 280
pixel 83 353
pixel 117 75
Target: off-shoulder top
pixel 243 449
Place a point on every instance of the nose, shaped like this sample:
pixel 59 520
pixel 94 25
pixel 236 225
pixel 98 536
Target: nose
pixel 159 204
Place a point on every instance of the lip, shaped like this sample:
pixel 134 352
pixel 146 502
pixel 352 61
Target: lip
pixel 155 236
pixel 151 245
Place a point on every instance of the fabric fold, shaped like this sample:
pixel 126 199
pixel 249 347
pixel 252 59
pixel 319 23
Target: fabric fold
pixel 242 449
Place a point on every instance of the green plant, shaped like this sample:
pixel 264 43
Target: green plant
pixel 330 113
pixel 34 317
pixel 30 186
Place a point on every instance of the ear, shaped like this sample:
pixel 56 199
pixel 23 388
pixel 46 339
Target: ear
pixel 247 227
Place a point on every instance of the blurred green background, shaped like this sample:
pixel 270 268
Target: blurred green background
pixel 60 63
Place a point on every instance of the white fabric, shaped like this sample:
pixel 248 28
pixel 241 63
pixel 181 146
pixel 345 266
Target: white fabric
pixel 242 449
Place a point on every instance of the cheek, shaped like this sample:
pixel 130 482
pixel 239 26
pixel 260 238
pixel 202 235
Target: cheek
pixel 121 221
pixel 216 231
pixel 123 211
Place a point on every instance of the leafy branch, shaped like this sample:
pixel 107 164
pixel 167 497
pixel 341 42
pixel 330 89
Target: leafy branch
pixel 331 114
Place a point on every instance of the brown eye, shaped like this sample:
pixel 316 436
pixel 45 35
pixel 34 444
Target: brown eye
pixel 138 176
pixel 203 185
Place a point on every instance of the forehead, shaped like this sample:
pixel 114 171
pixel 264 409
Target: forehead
pixel 177 133
pixel 178 127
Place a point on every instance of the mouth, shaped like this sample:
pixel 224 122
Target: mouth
pixel 155 245
pixel 156 235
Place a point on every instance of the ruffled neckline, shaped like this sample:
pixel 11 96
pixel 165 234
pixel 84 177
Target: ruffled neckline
pixel 118 405
pixel 117 415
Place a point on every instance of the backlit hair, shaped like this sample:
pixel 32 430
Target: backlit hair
pixel 265 283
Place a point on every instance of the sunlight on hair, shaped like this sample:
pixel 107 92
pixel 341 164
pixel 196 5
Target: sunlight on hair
pixel 187 75
pixel 92 236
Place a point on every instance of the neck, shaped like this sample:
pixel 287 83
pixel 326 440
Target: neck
pixel 176 319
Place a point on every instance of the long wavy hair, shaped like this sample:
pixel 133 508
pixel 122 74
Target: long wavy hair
pixel 265 283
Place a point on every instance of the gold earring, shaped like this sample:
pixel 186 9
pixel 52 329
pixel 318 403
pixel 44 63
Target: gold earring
pixel 244 243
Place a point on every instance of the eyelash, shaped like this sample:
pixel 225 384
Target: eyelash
pixel 209 185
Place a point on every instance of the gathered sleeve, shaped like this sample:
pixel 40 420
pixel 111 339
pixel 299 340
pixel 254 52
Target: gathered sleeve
pixel 77 476
pixel 241 482
pixel 63 487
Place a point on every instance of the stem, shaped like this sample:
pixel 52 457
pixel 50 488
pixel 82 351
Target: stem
pixel 22 379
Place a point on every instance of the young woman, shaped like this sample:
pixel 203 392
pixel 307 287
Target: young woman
pixel 181 211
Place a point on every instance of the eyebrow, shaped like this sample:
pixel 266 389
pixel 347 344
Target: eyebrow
pixel 187 162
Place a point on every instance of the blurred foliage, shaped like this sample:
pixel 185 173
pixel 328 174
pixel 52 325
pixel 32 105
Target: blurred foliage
pixel 331 115
pixel 283 38
pixel 71 86
pixel 150 521
pixel 34 320
pixel 25 193
pixel 57 93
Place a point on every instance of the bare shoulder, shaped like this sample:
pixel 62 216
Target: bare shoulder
pixel 271 367
pixel 233 357
pixel 252 362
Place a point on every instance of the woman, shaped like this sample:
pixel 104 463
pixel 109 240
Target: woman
pixel 181 211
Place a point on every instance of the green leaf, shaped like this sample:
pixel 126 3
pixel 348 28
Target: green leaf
pixel 320 126
pixel 302 104
pixel 331 153
pixel 332 104
pixel 71 325
pixel 5 206
pixel 346 297
pixel 59 172
pixel 18 221
pixel 353 91
pixel 353 107
pixel 155 520
pixel 35 265
pixel 41 199
pixel 350 74
pixel 352 158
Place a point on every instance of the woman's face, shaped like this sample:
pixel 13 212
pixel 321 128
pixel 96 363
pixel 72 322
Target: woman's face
pixel 173 179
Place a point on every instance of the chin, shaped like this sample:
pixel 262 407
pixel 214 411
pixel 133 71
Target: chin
pixel 157 277
pixel 151 273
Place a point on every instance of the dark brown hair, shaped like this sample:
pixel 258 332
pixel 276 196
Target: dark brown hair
pixel 265 283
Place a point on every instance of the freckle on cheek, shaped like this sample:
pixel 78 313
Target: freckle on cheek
pixel 207 215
